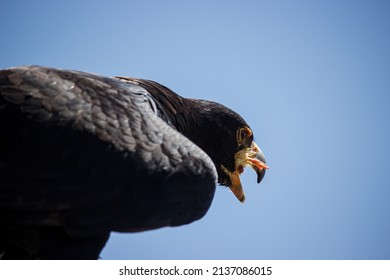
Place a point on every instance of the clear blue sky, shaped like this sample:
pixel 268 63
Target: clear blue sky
pixel 312 78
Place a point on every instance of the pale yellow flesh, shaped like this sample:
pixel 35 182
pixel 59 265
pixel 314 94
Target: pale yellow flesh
pixel 244 157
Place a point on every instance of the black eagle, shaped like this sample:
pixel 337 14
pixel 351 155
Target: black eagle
pixel 82 155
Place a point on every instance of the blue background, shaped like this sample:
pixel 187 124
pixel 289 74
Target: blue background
pixel 310 77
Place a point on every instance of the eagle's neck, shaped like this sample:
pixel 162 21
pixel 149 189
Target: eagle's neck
pixel 196 119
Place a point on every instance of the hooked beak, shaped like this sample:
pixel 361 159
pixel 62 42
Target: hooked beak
pixel 252 157
pixel 259 165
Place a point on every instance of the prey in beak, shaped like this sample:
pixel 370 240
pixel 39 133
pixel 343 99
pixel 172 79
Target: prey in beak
pixel 252 157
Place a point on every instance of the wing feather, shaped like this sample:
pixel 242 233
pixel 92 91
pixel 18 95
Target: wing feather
pixel 94 149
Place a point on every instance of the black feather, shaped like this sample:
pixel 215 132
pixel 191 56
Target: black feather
pixel 82 155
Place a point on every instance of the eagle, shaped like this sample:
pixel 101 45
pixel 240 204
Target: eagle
pixel 83 155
